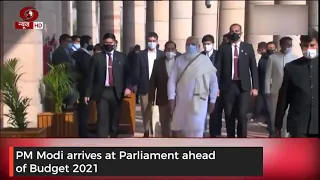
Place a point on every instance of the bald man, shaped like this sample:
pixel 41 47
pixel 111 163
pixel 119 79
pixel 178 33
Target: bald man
pixel 192 80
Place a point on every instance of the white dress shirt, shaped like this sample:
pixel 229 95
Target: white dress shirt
pixel 238 47
pixel 152 55
pixel 107 68
pixel 169 64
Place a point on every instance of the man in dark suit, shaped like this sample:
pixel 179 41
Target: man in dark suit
pixel 215 121
pixel 145 61
pixel 62 55
pixel 108 82
pixel 132 58
pixel 158 92
pixel 236 69
pixel 82 58
pixel 75 43
pixel 300 91
pixel 261 104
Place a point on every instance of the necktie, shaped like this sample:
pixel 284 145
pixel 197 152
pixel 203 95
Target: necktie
pixel 235 62
pixel 110 74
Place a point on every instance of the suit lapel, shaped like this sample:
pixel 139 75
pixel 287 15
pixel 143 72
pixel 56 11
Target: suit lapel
pixel 241 51
pixel 164 66
pixel 145 55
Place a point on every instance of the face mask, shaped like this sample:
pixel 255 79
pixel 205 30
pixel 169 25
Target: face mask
pixel 310 53
pixel 90 47
pixel 170 55
pixel 270 52
pixel 152 45
pixel 288 50
pixel 208 47
pixel 108 47
pixel 77 46
pixel 69 45
pixel 191 49
pixel 234 37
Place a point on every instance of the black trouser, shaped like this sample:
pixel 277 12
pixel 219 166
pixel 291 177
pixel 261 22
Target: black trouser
pixel 83 112
pixel 236 104
pixel 108 111
pixel 215 121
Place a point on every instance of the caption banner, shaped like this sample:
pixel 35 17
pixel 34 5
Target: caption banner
pixel 136 161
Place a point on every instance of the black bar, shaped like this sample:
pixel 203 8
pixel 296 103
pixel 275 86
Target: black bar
pixel 210 161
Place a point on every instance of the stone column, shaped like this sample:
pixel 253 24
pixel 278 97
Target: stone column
pixel 295 38
pixel 313 10
pixel 67 17
pixel 180 23
pixel 31 60
pixel 134 21
pixel 205 20
pixel 86 19
pixel 230 12
pixel 249 37
pixel 157 20
pixel 110 19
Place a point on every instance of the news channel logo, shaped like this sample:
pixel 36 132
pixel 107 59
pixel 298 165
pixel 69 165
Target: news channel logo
pixel 29 15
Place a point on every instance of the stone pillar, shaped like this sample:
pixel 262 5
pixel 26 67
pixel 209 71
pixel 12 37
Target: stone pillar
pixel 313 10
pixel 110 19
pixel 230 12
pixel 86 19
pixel 158 20
pixel 295 38
pixel 200 18
pixel 180 23
pixel 249 37
pixel 67 17
pixel 134 21
pixel 31 60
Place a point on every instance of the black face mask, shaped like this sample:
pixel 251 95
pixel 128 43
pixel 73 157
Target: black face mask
pixel 270 52
pixel 234 36
pixel 90 47
pixel 108 47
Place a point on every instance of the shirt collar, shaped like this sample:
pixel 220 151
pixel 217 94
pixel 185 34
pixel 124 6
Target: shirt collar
pixel 111 52
pixel 152 51
pixel 238 44
pixel 83 49
pixel 210 52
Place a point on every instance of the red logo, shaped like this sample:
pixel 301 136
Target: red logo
pixel 29 14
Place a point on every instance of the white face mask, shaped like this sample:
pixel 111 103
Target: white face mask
pixel 288 51
pixel 310 53
pixel 170 55
pixel 77 46
pixel 208 47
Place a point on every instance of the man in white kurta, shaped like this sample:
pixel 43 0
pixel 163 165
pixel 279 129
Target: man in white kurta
pixel 274 76
pixel 188 94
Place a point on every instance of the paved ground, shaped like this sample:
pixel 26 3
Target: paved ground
pixel 256 129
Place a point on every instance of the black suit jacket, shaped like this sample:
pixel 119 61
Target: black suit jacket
pixel 212 57
pixel 262 69
pixel 299 91
pixel 142 70
pixel 82 61
pixel 97 75
pixel 247 67
pixel 61 55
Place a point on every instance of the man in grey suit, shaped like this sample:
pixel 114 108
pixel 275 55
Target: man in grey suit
pixel 62 55
pixel 274 77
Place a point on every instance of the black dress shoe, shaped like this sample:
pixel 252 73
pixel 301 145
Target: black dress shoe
pixel 113 136
pixel 146 135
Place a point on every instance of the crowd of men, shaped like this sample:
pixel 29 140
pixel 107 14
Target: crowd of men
pixel 188 86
